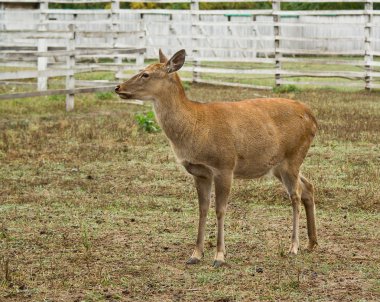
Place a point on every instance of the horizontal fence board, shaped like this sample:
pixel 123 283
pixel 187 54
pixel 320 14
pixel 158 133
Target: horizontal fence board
pixel 372 63
pixel 76 11
pixel 321 74
pixel 55 92
pixel 95 82
pixel 236 48
pixel 64 34
pixel 374 86
pixel 17 75
pixel 218 37
pixel 238 60
pixel 108 21
pixel 322 61
pixel 118 34
pixel 37 35
pixel 373 74
pixel 21 64
pixel 78 52
pixel 351 38
pixel 104 66
pixel 320 52
pixel 265 23
pixel 261 38
pixel 320 84
pixel 230 71
pixel 374 53
pixel 320 22
pixel 15 83
pixel 104 21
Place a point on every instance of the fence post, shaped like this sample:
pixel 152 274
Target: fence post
pixel 141 55
pixel 2 17
pixel 115 28
pixel 194 7
pixel 276 7
pixel 70 66
pixel 42 46
pixel 368 36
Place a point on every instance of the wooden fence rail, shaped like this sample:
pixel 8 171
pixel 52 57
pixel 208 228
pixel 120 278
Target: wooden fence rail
pixel 68 69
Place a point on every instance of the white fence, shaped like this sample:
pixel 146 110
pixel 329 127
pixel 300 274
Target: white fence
pixel 288 47
pixel 71 55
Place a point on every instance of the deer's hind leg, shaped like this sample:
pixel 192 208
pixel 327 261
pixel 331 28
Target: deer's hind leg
pixel 299 189
pixel 307 198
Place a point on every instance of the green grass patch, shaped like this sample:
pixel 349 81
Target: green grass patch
pixel 146 122
pixel 286 89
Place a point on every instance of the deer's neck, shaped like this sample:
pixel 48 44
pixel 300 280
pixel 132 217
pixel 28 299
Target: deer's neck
pixel 176 115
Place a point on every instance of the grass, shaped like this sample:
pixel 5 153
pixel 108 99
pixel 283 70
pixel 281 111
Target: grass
pixel 94 209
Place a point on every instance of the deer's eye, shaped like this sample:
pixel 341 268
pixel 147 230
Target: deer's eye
pixel 145 75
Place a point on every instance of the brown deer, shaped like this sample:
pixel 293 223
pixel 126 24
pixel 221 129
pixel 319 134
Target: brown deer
pixel 225 140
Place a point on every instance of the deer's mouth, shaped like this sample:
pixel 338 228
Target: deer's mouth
pixel 125 95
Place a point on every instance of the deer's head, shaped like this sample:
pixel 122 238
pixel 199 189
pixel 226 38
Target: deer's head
pixel 154 80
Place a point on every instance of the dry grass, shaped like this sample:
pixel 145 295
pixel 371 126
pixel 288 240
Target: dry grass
pixel 92 209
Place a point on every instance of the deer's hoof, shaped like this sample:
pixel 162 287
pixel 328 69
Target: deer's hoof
pixel 218 263
pixel 293 250
pixel 193 260
pixel 312 246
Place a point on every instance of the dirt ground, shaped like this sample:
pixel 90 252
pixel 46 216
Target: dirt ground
pixel 94 209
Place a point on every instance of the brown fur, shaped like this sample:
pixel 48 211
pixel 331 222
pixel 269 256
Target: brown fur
pixel 221 141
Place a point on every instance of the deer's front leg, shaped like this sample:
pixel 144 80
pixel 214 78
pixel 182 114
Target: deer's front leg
pixel 203 186
pixel 203 181
pixel 222 191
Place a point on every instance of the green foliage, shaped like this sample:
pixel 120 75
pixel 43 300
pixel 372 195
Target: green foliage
pixel 286 89
pixel 236 5
pixel 78 6
pixel 150 5
pixel 146 122
pixel 321 6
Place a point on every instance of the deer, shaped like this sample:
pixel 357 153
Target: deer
pixel 217 142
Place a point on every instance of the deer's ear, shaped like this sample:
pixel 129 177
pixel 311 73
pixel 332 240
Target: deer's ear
pixel 163 58
pixel 176 61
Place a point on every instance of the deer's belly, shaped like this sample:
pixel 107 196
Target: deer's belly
pixel 248 173
pixel 248 168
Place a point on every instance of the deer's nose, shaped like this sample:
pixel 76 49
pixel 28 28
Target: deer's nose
pixel 117 88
